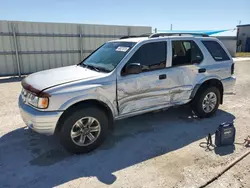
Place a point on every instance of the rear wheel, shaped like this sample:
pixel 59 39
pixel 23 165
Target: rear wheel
pixel 206 102
pixel 84 130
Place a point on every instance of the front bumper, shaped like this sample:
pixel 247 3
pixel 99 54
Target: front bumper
pixel 229 85
pixel 40 121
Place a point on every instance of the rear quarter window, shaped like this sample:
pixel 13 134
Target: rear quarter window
pixel 216 51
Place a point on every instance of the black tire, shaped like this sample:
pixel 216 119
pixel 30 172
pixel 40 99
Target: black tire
pixel 198 100
pixel 76 114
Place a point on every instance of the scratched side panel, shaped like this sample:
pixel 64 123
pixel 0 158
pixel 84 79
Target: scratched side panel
pixel 102 89
pixel 144 91
pixel 139 92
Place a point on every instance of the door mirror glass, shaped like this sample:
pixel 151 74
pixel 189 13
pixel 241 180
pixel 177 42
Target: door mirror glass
pixel 133 68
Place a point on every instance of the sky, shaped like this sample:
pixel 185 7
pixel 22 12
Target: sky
pixel 160 14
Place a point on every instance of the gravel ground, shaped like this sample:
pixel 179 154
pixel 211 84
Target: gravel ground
pixel 152 150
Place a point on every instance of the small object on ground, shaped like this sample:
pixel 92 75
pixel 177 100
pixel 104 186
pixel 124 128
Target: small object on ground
pixel 225 134
pixel 246 142
pixel 208 144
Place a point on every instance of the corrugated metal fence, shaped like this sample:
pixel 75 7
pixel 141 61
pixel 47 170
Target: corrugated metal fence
pixel 27 47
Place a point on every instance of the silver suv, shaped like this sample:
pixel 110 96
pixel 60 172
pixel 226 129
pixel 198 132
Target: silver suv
pixel 124 78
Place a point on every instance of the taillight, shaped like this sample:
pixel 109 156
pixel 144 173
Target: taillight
pixel 232 69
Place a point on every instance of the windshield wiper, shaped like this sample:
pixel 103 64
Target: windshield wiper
pixel 102 69
pixel 98 69
pixel 93 68
pixel 90 67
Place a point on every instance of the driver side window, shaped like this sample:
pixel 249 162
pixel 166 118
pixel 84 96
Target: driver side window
pixel 150 56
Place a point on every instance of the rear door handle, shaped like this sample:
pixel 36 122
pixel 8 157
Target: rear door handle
pixel 162 76
pixel 202 70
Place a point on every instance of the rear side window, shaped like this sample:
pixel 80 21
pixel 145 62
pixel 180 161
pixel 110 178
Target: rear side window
pixel 185 53
pixel 216 51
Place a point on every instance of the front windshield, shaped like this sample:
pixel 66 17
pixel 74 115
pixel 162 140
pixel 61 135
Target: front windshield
pixel 108 56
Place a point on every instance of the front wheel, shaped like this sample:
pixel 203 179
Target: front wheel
pixel 206 102
pixel 84 129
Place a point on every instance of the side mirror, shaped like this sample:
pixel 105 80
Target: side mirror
pixel 133 68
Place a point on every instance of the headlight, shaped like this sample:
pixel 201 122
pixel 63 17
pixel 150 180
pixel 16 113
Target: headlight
pixel 39 102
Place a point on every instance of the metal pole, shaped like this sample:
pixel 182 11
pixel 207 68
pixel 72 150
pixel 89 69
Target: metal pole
pixel 81 51
pixel 171 27
pixel 16 49
pixel 155 30
pixel 129 31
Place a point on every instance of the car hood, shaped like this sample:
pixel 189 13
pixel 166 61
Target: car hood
pixel 53 77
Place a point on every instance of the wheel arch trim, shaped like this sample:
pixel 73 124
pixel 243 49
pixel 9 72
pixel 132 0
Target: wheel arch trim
pixel 95 102
pixel 206 80
pixel 88 97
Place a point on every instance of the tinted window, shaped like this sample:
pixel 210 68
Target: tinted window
pixel 187 45
pixel 215 49
pixel 151 56
pixel 185 52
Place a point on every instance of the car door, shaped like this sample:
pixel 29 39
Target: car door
pixel 184 69
pixel 148 89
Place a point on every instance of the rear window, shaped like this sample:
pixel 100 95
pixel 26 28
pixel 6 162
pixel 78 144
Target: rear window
pixel 215 49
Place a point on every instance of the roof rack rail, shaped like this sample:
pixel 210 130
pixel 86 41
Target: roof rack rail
pixel 146 35
pixel 176 34
pixel 126 37
pixel 134 36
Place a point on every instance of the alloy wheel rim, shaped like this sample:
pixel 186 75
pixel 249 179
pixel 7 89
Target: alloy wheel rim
pixel 209 102
pixel 85 131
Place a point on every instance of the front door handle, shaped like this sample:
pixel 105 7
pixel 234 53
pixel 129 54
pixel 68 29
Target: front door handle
pixel 162 76
pixel 202 70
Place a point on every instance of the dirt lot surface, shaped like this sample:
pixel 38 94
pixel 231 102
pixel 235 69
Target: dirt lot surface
pixel 152 150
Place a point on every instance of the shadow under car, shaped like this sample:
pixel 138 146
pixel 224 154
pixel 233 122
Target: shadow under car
pixel 41 160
